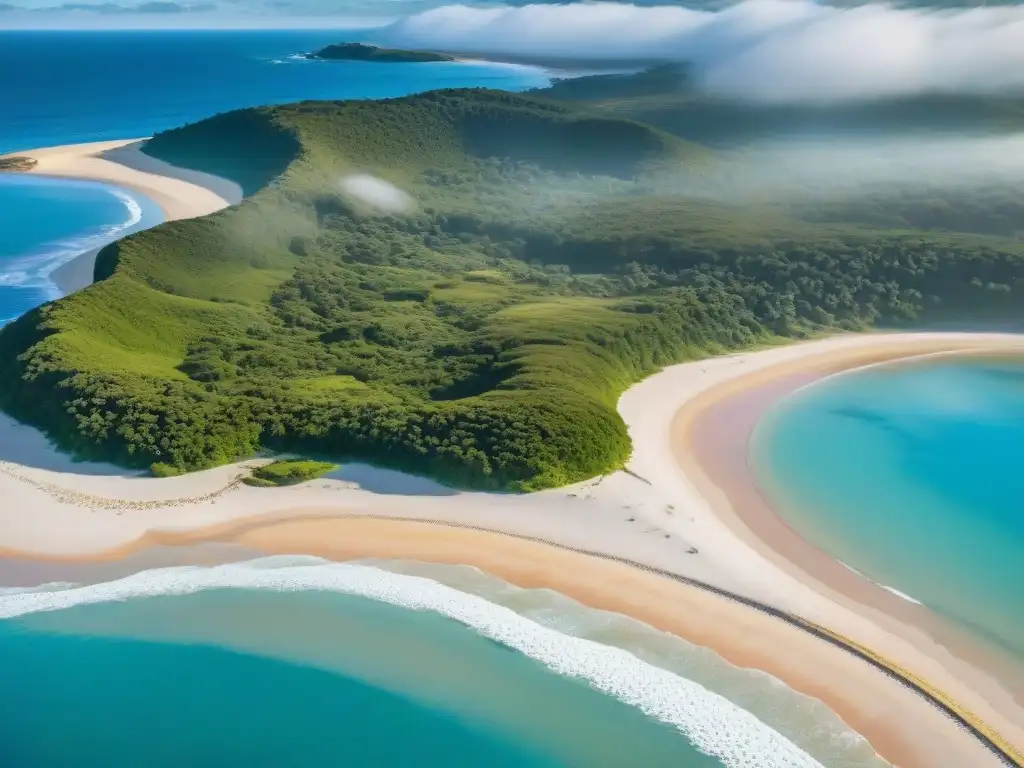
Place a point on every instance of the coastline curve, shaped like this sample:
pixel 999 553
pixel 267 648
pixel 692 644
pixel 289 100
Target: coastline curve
pixel 1005 752
pixel 179 193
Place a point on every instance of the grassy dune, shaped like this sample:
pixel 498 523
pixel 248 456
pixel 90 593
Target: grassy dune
pixel 288 473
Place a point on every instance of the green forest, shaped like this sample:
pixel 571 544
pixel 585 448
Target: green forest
pixel 667 96
pixel 545 256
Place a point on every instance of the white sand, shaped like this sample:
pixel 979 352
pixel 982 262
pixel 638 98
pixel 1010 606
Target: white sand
pixel 50 507
pixel 180 193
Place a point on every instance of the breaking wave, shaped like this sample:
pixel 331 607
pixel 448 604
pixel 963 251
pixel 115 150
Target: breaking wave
pixel 35 269
pixel 713 724
pixel 891 590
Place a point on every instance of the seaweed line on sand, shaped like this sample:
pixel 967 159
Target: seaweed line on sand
pixel 79 499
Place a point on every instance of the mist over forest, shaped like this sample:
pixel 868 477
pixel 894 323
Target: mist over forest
pixel 462 282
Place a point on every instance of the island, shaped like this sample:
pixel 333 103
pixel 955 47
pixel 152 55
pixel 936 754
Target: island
pixel 17 164
pixel 363 52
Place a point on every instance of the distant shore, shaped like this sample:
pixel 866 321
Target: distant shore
pixel 180 193
pixel 662 513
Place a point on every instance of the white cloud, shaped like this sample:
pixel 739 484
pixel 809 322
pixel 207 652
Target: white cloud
pixel 839 167
pixel 773 50
pixel 380 195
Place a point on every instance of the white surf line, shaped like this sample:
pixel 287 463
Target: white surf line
pixel 712 723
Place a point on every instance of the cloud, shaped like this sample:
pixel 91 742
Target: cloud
pixel 380 195
pixel 851 167
pixel 165 7
pixel 770 50
pixel 156 7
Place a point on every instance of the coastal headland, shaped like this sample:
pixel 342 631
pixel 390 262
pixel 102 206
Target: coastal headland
pixel 872 658
pixel 361 52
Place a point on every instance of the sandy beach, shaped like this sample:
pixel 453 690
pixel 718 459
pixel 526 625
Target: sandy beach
pixel 679 507
pixel 180 193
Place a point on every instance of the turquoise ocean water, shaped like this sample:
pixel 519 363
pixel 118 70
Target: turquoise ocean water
pixel 297 661
pixel 70 87
pixel 45 223
pixel 912 475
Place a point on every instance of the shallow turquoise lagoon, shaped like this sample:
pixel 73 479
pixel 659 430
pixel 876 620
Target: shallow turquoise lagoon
pixel 912 474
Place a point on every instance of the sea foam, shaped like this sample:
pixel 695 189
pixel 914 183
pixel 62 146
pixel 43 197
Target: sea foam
pixel 890 590
pixel 710 722
pixel 35 269
pixel 134 212
pixel 804 720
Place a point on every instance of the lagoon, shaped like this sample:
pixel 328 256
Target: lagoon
pixel 911 474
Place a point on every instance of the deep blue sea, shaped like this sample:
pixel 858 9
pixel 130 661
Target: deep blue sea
pixel 71 87
pixel 300 662
pixel 912 475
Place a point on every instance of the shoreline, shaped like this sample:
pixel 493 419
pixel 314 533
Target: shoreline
pixel 777 643
pixel 705 434
pixel 659 514
pixel 179 193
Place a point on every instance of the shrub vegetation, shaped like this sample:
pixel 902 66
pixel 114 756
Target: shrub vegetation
pixel 288 473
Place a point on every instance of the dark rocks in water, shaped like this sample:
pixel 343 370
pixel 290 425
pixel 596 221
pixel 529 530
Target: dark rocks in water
pixel 17 164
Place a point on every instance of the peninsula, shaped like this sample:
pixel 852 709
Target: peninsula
pixel 503 292
pixel 362 52
pixel 459 283
pixel 656 542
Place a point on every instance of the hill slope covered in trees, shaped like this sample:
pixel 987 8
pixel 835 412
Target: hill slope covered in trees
pixel 459 283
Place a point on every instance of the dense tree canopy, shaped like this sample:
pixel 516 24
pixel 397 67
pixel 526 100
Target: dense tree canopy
pixel 542 259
